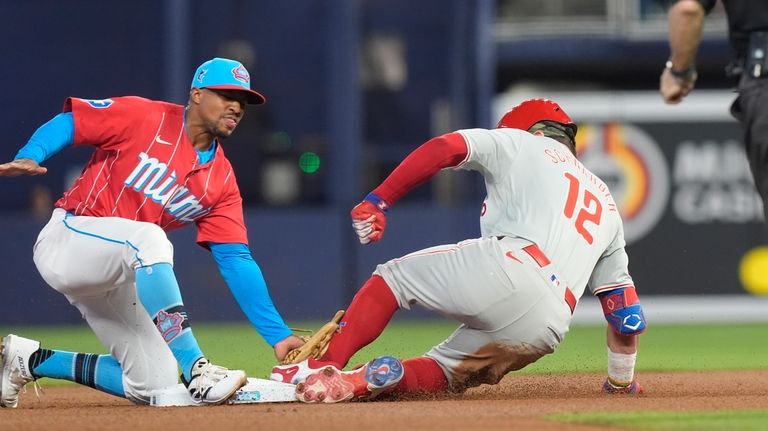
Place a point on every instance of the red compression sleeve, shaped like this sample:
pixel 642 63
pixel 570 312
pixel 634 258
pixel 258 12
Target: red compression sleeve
pixel 367 316
pixel 422 164
pixel 421 375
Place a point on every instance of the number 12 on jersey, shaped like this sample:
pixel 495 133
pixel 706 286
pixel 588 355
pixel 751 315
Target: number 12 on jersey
pixel 589 209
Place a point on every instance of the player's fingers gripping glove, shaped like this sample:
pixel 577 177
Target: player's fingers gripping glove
pixel 610 387
pixel 369 218
pixel 622 310
pixel 315 345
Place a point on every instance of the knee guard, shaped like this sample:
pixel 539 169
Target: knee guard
pixel 622 310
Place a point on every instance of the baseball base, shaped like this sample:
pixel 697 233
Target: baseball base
pixel 255 391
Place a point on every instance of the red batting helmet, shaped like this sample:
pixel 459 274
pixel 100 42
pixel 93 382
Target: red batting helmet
pixel 531 111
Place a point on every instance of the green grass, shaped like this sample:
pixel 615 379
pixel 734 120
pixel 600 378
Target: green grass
pixel 239 346
pixel 665 348
pixel 744 420
pixel 662 348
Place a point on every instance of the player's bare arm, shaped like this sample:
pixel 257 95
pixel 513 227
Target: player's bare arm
pixel 626 344
pixel 20 167
pixel 686 21
pixel 626 322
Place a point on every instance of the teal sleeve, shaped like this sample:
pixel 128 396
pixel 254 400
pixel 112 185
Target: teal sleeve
pixel 245 280
pixel 49 139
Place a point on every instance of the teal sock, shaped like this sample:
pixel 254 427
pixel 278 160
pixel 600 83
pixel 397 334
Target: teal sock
pixel 100 372
pixel 158 291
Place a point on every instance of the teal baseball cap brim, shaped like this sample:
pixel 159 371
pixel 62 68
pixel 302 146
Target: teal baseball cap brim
pixel 225 74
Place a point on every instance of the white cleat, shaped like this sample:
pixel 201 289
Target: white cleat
pixel 295 373
pixel 212 384
pixel 16 373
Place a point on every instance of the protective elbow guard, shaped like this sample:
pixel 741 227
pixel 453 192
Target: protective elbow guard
pixel 622 310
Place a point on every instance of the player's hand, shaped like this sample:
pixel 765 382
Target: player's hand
pixel 672 89
pixel 21 167
pixel 612 388
pixel 369 219
pixel 286 345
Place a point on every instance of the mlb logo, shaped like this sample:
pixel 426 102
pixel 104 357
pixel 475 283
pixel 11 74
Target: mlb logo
pixel 553 279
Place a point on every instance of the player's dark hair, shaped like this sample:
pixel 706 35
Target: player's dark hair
pixel 562 133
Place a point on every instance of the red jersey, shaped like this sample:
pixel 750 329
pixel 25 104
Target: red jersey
pixel 146 169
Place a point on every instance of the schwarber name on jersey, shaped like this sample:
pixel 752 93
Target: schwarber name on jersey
pixel 537 190
pixel 146 169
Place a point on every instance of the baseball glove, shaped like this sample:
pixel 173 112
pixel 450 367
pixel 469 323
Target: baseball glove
pixel 316 344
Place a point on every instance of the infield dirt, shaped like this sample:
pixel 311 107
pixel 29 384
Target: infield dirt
pixel 520 402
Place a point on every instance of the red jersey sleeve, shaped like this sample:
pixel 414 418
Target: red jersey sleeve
pixel 225 222
pixel 105 123
pixel 422 164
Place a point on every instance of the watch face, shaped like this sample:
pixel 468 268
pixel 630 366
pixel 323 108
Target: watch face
pixel 687 75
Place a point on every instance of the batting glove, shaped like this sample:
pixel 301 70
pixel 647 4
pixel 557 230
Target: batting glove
pixel 369 219
pixel 612 388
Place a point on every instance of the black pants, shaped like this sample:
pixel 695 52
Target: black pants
pixel 751 109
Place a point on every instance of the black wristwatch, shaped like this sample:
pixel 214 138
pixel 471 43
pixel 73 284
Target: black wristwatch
pixel 685 75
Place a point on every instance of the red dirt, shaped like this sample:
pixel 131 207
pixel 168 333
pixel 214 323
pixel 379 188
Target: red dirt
pixel 520 402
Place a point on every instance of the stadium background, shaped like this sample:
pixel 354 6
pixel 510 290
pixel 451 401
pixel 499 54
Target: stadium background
pixel 354 86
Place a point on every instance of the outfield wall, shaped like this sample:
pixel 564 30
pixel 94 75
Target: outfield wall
pixel 692 222
pixel 313 265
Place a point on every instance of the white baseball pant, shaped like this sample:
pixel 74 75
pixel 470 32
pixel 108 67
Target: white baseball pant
pixel 92 261
pixel 511 309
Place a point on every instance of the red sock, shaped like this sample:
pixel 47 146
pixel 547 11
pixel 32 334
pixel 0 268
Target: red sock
pixel 365 319
pixel 421 374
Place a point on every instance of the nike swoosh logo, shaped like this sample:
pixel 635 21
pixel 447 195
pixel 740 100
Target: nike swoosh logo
pixel 513 257
pixel 160 140
pixel 287 373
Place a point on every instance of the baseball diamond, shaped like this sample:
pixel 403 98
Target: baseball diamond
pixel 494 202
pixel 518 402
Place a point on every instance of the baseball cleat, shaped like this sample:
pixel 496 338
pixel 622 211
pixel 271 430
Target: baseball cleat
pixel 296 373
pixel 16 373
pixel 611 388
pixel 331 385
pixel 212 384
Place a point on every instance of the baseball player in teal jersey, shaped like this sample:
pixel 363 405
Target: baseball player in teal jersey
pixel 157 166
pixel 550 230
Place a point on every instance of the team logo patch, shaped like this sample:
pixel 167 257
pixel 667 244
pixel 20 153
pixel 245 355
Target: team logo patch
pixel 169 325
pixel 241 74
pixel 103 103
pixel 200 76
